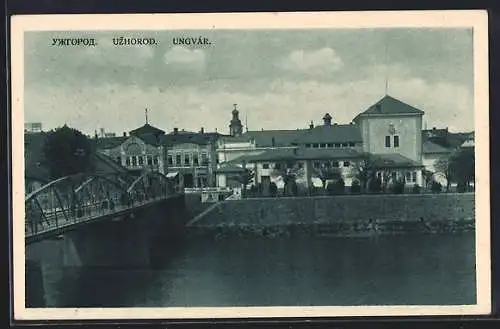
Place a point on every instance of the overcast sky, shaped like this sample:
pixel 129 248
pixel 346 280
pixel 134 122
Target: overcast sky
pixel 279 79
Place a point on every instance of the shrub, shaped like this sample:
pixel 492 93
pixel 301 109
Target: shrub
pixel 436 187
pixel 416 189
pixel 375 185
pixel 355 187
pixel 398 187
pixel 273 189
pixel 337 187
pixel 461 187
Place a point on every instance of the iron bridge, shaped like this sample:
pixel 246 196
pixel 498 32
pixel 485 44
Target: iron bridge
pixel 67 202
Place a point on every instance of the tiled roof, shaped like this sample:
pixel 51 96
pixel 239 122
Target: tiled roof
pixel 331 134
pixel 106 165
pixel 389 105
pixel 189 137
pixel 146 129
pixel 444 138
pixel 108 142
pixel 299 154
pixel 394 160
pixel 265 138
pixel 428 147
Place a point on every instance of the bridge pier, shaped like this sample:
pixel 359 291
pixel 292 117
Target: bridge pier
pixel 137 239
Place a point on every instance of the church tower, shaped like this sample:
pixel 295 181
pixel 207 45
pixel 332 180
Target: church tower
pixel 235 127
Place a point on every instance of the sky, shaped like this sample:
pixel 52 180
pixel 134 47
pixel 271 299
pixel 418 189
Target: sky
pixel 280 79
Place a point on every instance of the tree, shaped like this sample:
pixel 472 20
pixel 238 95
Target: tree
pixel 462 167
pixel 442 166
pixel 365 170
pixel 428 177
pixel 288 171
pixel 325 173
pixel 67 151
pixel 245 178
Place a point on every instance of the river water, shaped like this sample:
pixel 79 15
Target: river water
pixel 387 270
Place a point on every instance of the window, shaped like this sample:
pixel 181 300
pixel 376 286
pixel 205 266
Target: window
pixel 308 145
pixel 178 159
pixel 322 145
pixel 346 163
pixel 134 161
pixel 155 160
pixel 265 166
pixel 335 164
pixel 352 144
pixel 408 176
pixel 186 159
pixel 127 162
pixel 329 145
pixel 396 141
pixel 337 145
pixel 195 160
pixel 315 145
pixel 414 176
pixel 327 164
pixel 387 141
pixel 204 159
pixel 277 166
pixel 344 144
pixel 150 160
pixel 316 164
pixel 119 159
pixel 170 159
pixel 141 161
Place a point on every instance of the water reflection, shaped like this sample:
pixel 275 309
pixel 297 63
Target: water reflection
pixel 389 270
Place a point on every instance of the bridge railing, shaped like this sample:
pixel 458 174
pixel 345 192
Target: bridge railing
pixel 56 205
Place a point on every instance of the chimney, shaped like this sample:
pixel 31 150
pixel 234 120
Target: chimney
pixel 202 131
pixel 124 134
pixel 176 130
pixel 327 119
pixel 273 142
pixel 311 125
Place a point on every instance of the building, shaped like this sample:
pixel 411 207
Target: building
pixel 37 172
pixel 142 149
pixel 192 154
pixel 32 127
pixel 389 133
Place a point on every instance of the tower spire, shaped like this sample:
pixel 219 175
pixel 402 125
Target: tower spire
pixel 246 122
pixel 146 114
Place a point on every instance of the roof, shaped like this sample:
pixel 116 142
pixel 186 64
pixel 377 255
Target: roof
pixel 105 165
pixel 331 134
pixel 268 138
pixel 189 137
pixel 394 160
pixel 429 147
pixel 468 143
pixel 299 154
pixel 388 106
pixel 147 129
pixel 444 138
pixel 108 142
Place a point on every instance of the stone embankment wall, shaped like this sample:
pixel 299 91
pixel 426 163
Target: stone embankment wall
pixel 340 215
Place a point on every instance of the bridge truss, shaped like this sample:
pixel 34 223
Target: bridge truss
pixel 78 198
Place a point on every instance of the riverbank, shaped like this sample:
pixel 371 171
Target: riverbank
pixel 362 215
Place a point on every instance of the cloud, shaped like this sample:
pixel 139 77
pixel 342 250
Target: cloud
pixel 182 56
pixel 314 62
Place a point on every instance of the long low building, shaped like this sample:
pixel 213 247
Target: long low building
pixel 389 133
